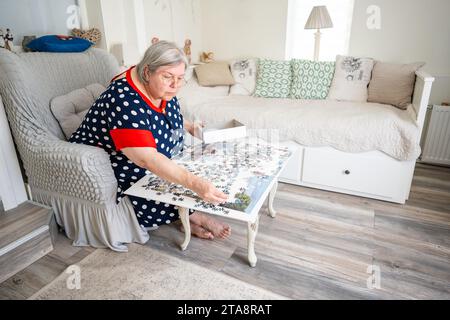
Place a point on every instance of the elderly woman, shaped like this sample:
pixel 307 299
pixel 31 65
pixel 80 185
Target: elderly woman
pixel 137 120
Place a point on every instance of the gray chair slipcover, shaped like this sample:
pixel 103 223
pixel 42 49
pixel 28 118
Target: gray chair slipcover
pixel 76 180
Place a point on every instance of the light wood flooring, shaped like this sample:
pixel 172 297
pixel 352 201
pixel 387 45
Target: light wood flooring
pixel 318 247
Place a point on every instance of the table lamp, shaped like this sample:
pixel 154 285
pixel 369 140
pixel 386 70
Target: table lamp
pixel 318 19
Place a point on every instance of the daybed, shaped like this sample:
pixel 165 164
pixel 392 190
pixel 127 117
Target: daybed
pixel 359 148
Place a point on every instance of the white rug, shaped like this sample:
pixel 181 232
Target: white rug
pixel 146 273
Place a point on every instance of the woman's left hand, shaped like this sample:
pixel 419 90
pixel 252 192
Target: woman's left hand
pixel 194 128
pixel 197 126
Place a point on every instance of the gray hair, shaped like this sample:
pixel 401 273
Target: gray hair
pixel 160 54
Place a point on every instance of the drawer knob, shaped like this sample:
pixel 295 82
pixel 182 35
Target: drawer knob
pixel 347 172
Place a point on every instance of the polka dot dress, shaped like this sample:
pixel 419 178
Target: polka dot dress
pixel 124 117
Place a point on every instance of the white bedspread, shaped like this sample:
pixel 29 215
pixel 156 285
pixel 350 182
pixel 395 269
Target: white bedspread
pixel 346 126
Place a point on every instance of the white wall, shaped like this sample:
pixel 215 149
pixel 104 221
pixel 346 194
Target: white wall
pixel 114 25
pixel 34 17
pixel 411 30
pixel 129 25
pixel 12 188
pixel 175 20
pixel 238 28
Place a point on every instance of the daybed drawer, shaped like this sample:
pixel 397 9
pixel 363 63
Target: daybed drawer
pixel 292 169
pixel 372 172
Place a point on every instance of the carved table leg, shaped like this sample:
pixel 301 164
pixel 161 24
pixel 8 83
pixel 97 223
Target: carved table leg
pixel 251 235
pixel 184 217
pixel 272 211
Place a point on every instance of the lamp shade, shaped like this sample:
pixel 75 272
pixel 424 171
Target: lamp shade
pixel 319 18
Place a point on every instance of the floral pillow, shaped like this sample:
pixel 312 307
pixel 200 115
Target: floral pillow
pixel 273 79
pixel 244 74
pixel 351 78
pixel 310 79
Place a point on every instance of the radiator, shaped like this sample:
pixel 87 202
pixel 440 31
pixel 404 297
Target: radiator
pixel 437 141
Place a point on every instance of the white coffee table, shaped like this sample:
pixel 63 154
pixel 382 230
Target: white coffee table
pixel 246 169
pixel 252 223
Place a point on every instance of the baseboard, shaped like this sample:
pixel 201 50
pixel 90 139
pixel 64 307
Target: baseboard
pixel 431 163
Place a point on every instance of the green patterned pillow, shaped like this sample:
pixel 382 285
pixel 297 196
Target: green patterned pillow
pixel 310 79
pixel 274 79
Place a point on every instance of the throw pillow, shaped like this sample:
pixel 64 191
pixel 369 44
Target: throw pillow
pixel 273 79
pixel 56 43
pixel 244 74
pixel 93 35
pixel 215 73
pixel 351 78
pixel 393 83
pixel 71 108
pixel 311 79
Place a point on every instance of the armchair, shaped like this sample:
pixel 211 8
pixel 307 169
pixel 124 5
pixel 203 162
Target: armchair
pixel 77 181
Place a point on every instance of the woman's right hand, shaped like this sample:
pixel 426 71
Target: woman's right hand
pixel 168 170
pixel 208 192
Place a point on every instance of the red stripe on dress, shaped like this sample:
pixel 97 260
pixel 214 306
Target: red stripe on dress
pixel 128 138
pixel 143 96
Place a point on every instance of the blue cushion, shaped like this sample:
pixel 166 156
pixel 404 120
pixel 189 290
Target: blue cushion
pixel 54 43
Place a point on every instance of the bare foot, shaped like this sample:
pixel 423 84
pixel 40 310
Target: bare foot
pixel 199 232
pixel 218 229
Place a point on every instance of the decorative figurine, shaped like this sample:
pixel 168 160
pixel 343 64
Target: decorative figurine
pixel 9 40
pixel 155 40
pixel 207 57
pixel 187 49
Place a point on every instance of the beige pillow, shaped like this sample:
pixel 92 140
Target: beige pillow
pixel 393 83
pixel 71 108
pixel 215 73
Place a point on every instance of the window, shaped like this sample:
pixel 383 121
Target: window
pixel 300 42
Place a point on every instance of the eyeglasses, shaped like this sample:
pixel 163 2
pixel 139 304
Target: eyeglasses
pixel 169 79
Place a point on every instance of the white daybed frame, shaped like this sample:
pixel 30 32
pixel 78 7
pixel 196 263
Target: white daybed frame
pixel 371 174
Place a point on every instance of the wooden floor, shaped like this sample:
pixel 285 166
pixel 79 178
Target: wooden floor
pixel 319 246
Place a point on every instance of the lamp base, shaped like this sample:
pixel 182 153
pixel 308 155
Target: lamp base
pixel 317 45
